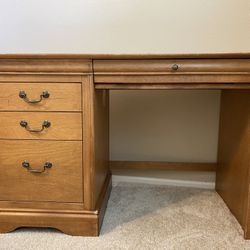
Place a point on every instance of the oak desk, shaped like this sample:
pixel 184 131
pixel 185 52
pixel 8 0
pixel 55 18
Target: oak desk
pixel 54 113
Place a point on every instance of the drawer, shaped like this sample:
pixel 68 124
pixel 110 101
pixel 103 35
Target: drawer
pixel 61 180
pixel 47 125
pixel 40 96
pixel 208 71
pixel 170 66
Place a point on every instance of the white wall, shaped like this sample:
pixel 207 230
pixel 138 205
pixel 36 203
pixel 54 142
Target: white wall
pixel 124 26
pixel 188 125
pixel 161 125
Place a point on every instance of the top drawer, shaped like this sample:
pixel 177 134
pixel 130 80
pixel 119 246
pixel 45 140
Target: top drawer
pixel 171 66
pixel 40 96
pixel 179 71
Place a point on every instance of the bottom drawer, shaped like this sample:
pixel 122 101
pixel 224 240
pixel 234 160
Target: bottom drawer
pixel 41 171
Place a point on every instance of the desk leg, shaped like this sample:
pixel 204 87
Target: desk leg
pixel 232 179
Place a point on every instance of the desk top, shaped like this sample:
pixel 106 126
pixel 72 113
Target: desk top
pixel 129 56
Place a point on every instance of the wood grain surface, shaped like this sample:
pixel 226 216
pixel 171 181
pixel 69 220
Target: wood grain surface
pixel 166 66
pixel 232 178
pixel 154 165
pixel 45 65
pixel 64 126
pixel 61 183
pixel 63 97
pixel 128 56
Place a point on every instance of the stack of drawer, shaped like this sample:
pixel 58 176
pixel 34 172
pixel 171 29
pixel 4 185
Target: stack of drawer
pixel 41 142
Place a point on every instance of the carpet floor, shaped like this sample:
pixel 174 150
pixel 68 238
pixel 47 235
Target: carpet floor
pixel 147 217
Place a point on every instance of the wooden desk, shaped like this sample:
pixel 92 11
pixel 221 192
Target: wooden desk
pixel 58 175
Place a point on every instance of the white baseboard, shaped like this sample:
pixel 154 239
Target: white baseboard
pixel 160 181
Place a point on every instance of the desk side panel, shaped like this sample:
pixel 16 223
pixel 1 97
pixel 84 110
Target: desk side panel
pixel 232 182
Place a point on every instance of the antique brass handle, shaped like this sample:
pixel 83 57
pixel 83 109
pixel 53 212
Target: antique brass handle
pixel 23 95
pixel 46 165
pixel 24 124
pixel 175 67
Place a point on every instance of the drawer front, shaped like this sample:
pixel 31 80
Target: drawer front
pixel 60 182
pixel 50 126
pixel 192 71
pixel 102 67
pixel 40 96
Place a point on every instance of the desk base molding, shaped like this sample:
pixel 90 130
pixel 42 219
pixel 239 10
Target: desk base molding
pixel 154 165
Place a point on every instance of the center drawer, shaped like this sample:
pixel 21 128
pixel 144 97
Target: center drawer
pixel 41 171
pixel 41 125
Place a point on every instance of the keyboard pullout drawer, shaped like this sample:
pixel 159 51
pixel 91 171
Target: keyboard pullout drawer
pixel 40 96
pixel 161 71
pixel 41 125
pixel 171 66
pixel 41 171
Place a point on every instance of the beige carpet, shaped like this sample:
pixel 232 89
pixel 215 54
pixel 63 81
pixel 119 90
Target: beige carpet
pixel 147 217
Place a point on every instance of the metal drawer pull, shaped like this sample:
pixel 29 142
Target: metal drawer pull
pixel 46 165
pixel 24 124
pixel 23 95
pixel 175 67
